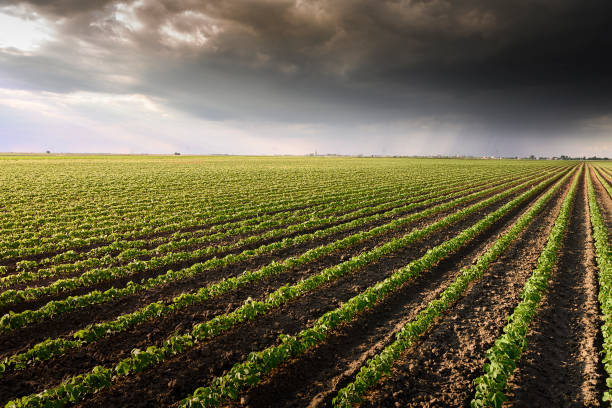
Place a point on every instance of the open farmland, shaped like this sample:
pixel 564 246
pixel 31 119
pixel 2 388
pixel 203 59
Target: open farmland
pixel 132 281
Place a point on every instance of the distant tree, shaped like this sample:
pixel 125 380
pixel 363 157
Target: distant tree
pixel 177 154
pixel 532 157
pixel 48 151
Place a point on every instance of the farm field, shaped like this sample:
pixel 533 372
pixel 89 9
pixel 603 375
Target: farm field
pixel 160 281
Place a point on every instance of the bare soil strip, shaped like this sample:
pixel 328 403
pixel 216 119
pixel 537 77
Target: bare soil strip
pixel 561 365
pixel 314 380
pixel 439 370
pixel 173 380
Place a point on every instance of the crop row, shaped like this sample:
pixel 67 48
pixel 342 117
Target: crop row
pixel 12 321
pixel 604 263
pixel 251 372
pixel 54 347
pixel 368 197
pixel 126 195
pixel 604 182
pixel 133 200
pixel 312 217
pixel 505 353
pixel 77 387
pixel 379 365
pixel 10 297
pixel 167 220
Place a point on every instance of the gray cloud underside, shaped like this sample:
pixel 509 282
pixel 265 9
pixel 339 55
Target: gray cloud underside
pixel 517 66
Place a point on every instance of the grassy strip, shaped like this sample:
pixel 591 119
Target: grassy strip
pixel 508 348
pixel 75 388
pixel 379 365
pixel 604 262
pixel 249 373
pixel 12 321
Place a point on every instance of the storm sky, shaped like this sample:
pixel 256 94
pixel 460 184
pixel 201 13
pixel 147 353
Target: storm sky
pixel 476 77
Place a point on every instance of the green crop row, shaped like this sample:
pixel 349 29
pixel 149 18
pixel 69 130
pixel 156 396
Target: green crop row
pixel 10 297
pixel 50 348
pixel 249 373
pixel 345 209
pixel 374 369
pixel 75 388
pixel 168 222
pixel 604 263
pixel 117 245
pixel 169 219
pixel 12 321
pixel 604 182
pixel 505 353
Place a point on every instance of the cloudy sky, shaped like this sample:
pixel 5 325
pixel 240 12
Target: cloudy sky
pixel 296 76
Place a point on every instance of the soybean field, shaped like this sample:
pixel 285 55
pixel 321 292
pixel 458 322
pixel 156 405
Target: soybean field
pixel 194 281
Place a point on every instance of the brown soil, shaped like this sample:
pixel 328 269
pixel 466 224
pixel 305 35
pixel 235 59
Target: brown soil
pixel 439 370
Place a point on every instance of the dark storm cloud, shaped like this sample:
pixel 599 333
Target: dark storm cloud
pixel 522 65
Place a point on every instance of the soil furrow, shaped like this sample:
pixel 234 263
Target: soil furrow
pixel 439 370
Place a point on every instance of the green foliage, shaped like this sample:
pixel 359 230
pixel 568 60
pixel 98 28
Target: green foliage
pixel 260 363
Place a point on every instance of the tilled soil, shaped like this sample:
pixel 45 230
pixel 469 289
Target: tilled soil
pixel 438 371
pixel 174 379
